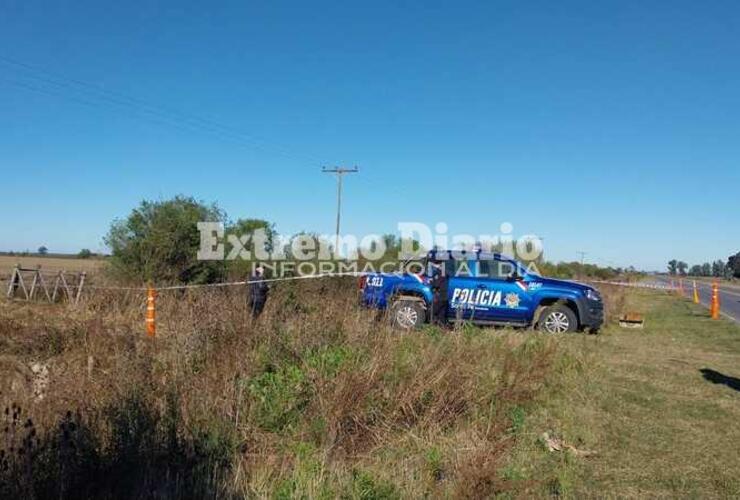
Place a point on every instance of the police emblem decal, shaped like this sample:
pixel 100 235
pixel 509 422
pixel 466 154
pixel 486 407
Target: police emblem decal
pixel 512 300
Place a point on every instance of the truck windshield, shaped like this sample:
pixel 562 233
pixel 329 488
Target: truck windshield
pixel 414 265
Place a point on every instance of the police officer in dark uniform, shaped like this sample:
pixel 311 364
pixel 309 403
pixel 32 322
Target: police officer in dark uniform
pixel 257 291
pixel 438 282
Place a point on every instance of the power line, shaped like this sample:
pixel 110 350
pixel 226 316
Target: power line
pixel 173 117
pixel 339 172
pixel 89 103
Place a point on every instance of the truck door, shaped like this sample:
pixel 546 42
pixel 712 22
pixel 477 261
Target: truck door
pixel 460 279
pixel 461 290
pixel 507 299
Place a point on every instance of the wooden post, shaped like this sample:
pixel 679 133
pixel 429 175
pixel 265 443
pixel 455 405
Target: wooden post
pixel 33 283
pixel 56 287
pixel 79 287
pixel 21 282
pixel 66 286
pixel 13 281
pixel 43 285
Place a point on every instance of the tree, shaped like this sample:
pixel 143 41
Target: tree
pixel 682 266
pixel 672 266
pixel 43 250
pixel 706 269
pixel 392 245
pixel 718 269
pixel 733 265
pixel 84 254
pixel 307 246
pixel 244 228
pixel 695 270
pixel 159 242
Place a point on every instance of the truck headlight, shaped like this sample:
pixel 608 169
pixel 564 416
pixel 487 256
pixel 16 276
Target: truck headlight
pixel 593 295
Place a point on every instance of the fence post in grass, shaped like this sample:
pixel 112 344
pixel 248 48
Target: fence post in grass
pixel 79 287
pixel 17 282
pixel 151 326
pixel 35 281
pixel 42 283
pixel 65 285
pixel 13 281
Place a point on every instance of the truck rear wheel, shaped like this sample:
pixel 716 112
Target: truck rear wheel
pixel 407 314
pixel 558 319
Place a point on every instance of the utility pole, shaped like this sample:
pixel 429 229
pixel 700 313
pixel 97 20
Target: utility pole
pixel 580 269
pixel 582 254
pixel 339 173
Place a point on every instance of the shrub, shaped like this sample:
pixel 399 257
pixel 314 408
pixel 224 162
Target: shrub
pixel 159 241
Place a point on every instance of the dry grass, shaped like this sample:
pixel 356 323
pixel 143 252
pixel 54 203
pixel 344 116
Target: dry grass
pixel 615 299
pixel 318 398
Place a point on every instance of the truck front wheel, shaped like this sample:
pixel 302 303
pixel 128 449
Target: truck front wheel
pixel 407 314
pixel 558 319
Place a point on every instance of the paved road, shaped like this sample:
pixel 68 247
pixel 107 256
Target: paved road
pixel 729 297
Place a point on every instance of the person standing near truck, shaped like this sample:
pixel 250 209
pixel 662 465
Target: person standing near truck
pixel 438 282
pixel 258 290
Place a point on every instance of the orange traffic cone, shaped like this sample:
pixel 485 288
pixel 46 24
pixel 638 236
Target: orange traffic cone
pixel 714 306
pixel 151 326
pixel 696 294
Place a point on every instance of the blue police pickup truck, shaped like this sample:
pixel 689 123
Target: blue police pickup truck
pixel 486 289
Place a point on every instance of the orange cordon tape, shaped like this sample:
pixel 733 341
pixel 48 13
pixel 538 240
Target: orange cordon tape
pixel 714 306
pixel 151 325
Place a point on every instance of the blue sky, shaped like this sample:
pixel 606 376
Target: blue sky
pixel 607 127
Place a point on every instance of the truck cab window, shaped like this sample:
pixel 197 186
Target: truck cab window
pixel 463 268
pixel 495 269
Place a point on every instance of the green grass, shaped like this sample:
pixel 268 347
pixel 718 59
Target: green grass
pixel 641 402
pixel 319 400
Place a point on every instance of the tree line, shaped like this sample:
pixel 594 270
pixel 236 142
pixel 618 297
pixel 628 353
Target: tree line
pixel 717 269
pixel 159 240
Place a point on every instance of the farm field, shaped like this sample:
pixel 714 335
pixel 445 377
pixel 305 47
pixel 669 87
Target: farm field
pixel 318 400
pixel 50 264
